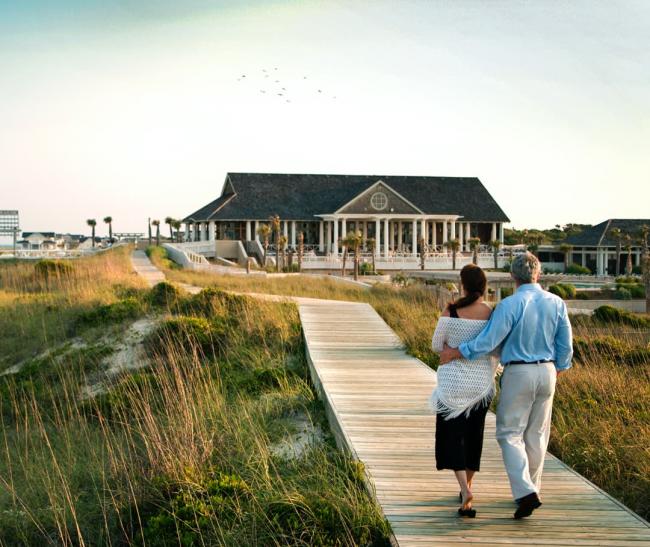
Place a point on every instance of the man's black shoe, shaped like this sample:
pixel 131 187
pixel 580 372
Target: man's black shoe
pixel 527 505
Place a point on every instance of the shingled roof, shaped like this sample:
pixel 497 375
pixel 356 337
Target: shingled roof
pixel 600 234
pixel 302 197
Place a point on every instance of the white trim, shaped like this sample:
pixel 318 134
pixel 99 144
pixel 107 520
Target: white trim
pixel 381 216
pixel 372 187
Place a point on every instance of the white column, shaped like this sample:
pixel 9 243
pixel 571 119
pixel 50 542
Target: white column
pixel 444 232
pixel 285 229
pixel 365 234
pixel 328 229
pixel 248 230
pixel 257 225
pixel 468 234
pixel 434 234
pixel 335 244
pixel 293 234
pixel 493 236
pixel 414 238
pixel 391 235
pixel 212 230
pixel 321 236
pixel 501 232
pixel 386 237
pixel 187 231
pixel 344 228
pixel 423 229
pixel 461 238
pixel 453 230
pixel 377 237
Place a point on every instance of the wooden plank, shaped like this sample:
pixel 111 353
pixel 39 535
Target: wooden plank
pixel 376 401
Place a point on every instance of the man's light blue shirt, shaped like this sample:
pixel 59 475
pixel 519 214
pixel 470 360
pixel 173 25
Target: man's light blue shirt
pixel 531 325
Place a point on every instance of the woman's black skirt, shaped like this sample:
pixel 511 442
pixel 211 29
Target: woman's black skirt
pixel 459 441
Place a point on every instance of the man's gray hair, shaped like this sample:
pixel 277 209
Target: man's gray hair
pixel 525 267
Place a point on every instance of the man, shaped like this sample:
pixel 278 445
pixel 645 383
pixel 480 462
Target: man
pixel 532 327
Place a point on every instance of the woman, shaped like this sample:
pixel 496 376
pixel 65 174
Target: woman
pixel 465 388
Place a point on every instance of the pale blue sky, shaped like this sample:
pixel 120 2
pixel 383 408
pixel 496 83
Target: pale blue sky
pixel 133 108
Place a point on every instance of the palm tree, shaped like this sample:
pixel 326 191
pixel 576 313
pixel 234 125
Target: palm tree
pixel 170 222
pixel 423 254
pixel 566 249
pixel 344 244
pixel 628 247
pixel 645 264
pixel 474 244
pixel 176 225
pixel 301 249
pixel 282 246
pixel 453 245
pixel 109 221
pixel 92 223
pixel 495 244
pixel 156 223
pixel 353 240
pixel 371 243
pixel 264 231
pixel 617 235
pixel 149 226
pixel 276 226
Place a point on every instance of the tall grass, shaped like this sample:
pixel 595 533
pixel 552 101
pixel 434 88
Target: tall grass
pixel 181 451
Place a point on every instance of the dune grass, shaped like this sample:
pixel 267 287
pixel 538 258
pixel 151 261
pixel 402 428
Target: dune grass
pixel 601 421
pixel 182 451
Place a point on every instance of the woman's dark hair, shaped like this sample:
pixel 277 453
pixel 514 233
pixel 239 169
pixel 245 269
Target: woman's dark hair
pixel 474 282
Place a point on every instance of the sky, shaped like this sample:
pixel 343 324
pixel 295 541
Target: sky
pixel 138 109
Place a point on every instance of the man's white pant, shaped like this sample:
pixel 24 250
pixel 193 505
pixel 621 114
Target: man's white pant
pixel 524 423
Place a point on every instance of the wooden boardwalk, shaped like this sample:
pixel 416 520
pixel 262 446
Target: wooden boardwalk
pixel 376 399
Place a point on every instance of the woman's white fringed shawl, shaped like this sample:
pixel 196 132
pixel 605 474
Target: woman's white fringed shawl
pixel 462 384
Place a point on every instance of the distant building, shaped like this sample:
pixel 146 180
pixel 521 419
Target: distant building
pixel 45 241
pixel 595 247
pixel 397 212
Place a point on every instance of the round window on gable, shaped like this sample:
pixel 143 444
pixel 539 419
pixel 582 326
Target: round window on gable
pixel 379 201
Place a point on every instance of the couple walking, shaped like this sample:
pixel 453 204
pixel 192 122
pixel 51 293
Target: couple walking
pixel 530 333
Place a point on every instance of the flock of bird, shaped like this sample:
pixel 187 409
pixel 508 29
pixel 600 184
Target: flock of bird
pixel 269 84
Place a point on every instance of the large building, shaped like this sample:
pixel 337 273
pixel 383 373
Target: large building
pixel 397 212
pixel 595 247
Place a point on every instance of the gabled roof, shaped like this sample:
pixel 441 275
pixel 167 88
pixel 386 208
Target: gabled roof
pixel 44 234
pixel 303 196
pixel 600 234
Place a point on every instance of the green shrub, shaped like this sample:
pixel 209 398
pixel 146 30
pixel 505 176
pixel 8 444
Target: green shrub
pixel 638 270
pixel 610 314
pixel 506 292
pixel 188 332
pixel 627 280
pixel 365 268
pixel 569 290
pixel 577 269
pixel 622 294
pixel 127 308
pixel 582 295
pixel 637 291
pixel 558 290
pixel 164 295
pixel 52 268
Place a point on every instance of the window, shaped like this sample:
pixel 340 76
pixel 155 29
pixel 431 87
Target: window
pixel 379 201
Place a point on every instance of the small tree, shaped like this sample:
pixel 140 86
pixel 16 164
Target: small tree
pixel 353 240
pixel 156 223
pixel 628 247
pixel 371 243
pixel 282 247
pixel 344 243
pixel 109 221
pixel 176 225
pixel 276 226
pixel 423 254
pixel 149 227
pixel 495 244
pixel 264 231
pixel 474 244
pixel 453 245
pixel 566 249
pixel 301 249
pixel 170 222
pixel 617 235
pixel 92 223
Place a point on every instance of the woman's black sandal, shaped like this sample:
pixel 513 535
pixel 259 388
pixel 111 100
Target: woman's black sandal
pixel 469 513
